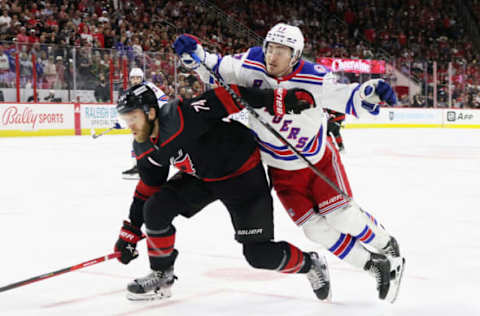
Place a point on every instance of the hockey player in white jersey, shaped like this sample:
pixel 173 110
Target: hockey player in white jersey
pixel 136 76
pixel 324 215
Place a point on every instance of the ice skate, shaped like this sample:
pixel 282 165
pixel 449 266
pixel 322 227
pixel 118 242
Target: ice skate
pixel 379 267
pixel 319 277
pixel 396 275
pixel 155 285
pixel 392 249
pixel 131 174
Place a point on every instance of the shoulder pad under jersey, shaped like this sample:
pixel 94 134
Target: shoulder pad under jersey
pixel 255 59
pixel 314 69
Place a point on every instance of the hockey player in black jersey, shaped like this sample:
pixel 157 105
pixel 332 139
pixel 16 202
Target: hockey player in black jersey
pixel 335 120
pixel 218 160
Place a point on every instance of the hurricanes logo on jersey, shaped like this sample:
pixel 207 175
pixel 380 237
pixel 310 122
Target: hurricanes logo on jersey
pixel 183 163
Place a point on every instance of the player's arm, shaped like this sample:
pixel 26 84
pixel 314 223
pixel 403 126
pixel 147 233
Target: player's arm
pixel 357 99
pixel 218 103
pixel 226 67
pixel 151 179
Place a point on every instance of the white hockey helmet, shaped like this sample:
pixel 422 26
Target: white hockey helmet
pixel 136 72
pixel 288 35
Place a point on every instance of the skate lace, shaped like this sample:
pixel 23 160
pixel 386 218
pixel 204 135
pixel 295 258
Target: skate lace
pixel 376 272
pixel 151 280
pixel 316 276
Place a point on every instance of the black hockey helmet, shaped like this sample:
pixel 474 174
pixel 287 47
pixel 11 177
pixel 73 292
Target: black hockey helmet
pixel 139 96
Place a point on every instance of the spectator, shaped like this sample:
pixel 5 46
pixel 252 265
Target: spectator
pixel 49 72
pixel 5 21
pixel 25 68
pixel 51 97
pixel 22 36
pixel 4 69
pixel 102 92
pixel 59 73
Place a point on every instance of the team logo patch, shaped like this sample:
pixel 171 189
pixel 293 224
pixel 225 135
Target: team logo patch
pixel 183 163
pixel 320 68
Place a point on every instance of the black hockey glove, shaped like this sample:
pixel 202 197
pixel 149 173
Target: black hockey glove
pixel 127 242
pixel 290 101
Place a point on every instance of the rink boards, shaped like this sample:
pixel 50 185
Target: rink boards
pixel 30 119
pixel 55 119
pixel 417 118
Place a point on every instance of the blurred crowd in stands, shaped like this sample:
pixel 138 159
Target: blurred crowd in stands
pixel 87 43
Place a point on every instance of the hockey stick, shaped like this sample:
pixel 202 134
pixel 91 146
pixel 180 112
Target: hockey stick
pixel 95 136
pixel 61 271
pixel 267 125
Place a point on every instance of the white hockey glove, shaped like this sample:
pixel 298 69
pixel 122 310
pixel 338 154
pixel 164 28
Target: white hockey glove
pixel 184 46
pixel 374 91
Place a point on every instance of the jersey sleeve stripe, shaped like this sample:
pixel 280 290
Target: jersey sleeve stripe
pixel 350 108
pixel 311 77
pixel 254 63
pixel 254 68
pixel 318 83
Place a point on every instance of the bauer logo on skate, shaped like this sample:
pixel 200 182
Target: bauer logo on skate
pixel 254 231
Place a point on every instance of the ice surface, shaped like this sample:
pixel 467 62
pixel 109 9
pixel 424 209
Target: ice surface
pixel 62 203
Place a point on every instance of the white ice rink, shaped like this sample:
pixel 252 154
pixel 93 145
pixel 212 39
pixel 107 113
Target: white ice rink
pixel 63 202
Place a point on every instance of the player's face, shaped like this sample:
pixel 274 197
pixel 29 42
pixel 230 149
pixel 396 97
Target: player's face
pixel 134 80
pixel 136 120
pixel 277 58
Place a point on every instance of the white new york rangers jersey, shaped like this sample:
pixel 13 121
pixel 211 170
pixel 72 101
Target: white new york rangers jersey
pixel 305 131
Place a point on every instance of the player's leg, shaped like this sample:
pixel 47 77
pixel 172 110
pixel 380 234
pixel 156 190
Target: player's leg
pixel 248 199
pixel 132 173
pixel 181 195
pixel 334 131
pixel 294 189
pixel 356 224
pixel 339 213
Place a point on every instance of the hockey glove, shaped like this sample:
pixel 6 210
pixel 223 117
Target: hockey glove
pixel 127 242
pixel 291 101
pixel 375 91
pixel 184 46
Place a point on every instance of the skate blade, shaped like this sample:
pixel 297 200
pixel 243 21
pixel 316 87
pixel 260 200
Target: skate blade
pixel 323 259
pixel 396 282
pixel 130 176
pixel 152 296
pixel 329 297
